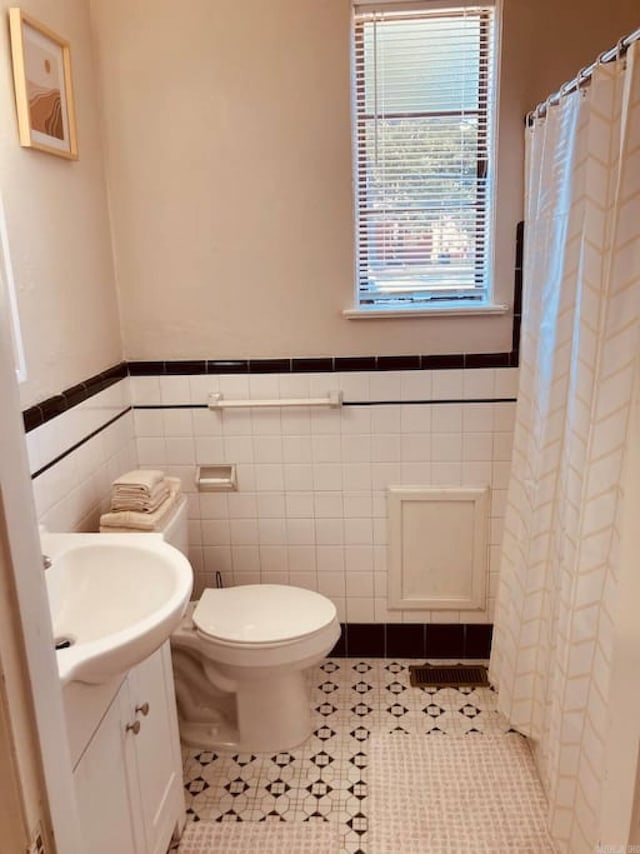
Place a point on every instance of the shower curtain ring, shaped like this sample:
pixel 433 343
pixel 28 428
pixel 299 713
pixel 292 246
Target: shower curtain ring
pixel 575 85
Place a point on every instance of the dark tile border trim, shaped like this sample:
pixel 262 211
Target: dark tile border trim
pixel 517 295
pixel 436 401
pixel 59 403
pixel 326 364
pixel 414 640
pixel 79 444
pixel 349 403
pixel 48 409
pixel 42 412
pixel 169 406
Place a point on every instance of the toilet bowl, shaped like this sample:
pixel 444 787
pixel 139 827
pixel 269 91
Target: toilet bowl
pixel 240 660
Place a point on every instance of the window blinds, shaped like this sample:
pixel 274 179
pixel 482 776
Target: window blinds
pixel 423 125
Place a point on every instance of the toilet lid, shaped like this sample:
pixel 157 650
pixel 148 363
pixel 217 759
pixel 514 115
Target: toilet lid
pixel 262 613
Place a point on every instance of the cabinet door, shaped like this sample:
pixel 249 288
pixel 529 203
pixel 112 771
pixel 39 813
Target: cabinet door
pixel 103 792
pixel 157 749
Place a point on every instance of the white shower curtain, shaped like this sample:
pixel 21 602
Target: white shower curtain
pixel 579 354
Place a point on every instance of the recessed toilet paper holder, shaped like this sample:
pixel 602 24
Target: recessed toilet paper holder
pixel 217 478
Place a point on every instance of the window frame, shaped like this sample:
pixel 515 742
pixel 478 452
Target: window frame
pixel 425 303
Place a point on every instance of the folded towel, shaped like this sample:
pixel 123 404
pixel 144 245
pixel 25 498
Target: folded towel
pixel 142 521
pixel 126 499
pixel 139 480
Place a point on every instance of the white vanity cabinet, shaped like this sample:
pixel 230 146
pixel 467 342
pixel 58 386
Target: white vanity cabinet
pixel 128 778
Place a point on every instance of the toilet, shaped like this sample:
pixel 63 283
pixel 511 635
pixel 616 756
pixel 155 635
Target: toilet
pixel 241 660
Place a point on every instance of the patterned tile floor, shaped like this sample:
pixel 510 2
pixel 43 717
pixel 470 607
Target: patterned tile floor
pixel 325 779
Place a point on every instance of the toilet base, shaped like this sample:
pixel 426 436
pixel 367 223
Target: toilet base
pixel 207 736
pixel 273 714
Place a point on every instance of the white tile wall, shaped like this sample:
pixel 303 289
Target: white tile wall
pixel 311 505
pixel 73 493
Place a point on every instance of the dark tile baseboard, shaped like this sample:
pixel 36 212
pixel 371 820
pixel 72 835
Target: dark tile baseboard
pixel 414 640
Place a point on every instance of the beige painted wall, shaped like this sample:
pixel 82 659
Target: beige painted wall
pixel 58 227
pixel 225 247
pixel 567 35
pixel 229 165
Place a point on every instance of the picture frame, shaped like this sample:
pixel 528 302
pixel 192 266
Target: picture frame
pixel 43 87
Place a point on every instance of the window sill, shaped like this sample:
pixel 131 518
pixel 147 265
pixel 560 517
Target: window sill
pixel 395 314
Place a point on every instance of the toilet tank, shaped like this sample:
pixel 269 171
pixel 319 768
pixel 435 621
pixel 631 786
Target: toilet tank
pixel 175 529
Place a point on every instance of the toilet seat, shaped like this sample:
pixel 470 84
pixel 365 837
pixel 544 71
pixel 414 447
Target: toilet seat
pixel 261 614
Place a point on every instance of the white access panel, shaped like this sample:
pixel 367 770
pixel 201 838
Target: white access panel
pixel 437 548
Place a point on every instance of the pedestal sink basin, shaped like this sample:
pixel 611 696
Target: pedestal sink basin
pixel 114 599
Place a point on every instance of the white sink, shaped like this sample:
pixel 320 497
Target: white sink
pixel 115 597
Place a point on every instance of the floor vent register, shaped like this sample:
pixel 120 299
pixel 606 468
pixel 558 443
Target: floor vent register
pixel 447 676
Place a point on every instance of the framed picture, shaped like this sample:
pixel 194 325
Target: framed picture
pixel 44 93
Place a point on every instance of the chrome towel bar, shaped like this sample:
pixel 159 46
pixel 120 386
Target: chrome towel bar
pixel 333 400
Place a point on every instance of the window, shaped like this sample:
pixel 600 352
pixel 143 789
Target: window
pixel 423 107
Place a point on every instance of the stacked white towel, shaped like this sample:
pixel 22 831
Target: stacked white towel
pixel 142 490
pixel 135 505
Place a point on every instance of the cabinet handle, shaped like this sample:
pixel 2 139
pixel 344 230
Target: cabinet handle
pixel 134 727
pixel 144 709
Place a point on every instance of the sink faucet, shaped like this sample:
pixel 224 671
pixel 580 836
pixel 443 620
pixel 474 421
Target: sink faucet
pixel 47 563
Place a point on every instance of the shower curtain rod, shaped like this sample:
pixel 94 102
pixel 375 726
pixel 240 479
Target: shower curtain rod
pixel 583 76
